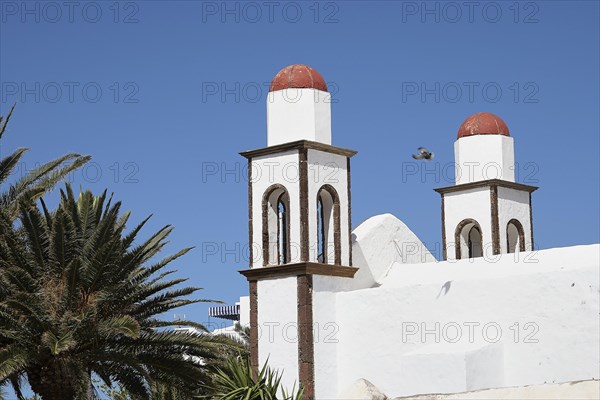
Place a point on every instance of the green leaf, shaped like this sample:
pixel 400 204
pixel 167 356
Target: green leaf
pixel 120 325
pixel 58 344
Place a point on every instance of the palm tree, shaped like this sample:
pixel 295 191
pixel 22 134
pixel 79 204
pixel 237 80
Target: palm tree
pixel 79 299
pixel 35 183
pixel 30 186
pixel 243 332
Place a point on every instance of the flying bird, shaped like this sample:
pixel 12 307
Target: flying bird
pixel 424 154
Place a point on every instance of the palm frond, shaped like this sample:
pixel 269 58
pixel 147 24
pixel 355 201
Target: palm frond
pixel 87 301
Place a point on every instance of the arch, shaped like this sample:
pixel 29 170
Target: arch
pixel 328 226
pixel 515 236
pixel 276 225
pixel 468 239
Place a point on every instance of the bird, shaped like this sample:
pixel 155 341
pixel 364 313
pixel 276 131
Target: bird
pixel 424 154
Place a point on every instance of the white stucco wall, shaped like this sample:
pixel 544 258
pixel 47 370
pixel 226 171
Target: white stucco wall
pixel 278 327
pixel 332 169
pixel 471 203
pixel 455 368
pixel 245 311
pixel 326 339
pixel 379 242
pixel 513 204
pixel 482 157
pixel 543 306
pixel 295 114
pixel 282 168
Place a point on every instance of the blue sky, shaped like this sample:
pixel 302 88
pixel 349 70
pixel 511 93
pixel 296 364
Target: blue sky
pixel 164 95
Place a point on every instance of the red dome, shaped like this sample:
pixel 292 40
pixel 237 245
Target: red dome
pixel 298 76
pixel 483 123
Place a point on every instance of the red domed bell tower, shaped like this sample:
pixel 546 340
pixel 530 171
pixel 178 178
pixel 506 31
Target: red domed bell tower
pixel 299 228
pixel 486 212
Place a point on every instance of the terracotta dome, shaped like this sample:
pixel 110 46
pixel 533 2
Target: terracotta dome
pixel 298 76
pixel 483 123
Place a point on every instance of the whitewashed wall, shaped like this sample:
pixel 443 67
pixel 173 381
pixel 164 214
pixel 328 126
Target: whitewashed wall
pixel 278 327
pixel 379 242
pixel 245 311
pixel 472 203
pixel 326 339
pixel 482 157
pixel 295 114
pixel 267 170
pixel 326 168
pixel 545 304
pixel 513 204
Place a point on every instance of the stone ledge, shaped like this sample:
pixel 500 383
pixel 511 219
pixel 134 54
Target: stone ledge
pixel 487 183
pixel 298 145
pixel 296 269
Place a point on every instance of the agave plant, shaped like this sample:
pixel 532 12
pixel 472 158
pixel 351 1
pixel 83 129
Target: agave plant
pixel 79 299
pixel 237 381
pixel 35 183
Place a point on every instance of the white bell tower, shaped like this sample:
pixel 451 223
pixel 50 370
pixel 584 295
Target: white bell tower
pixel 486 212
pixel 299 223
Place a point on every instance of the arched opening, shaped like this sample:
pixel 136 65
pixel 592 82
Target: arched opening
pixel 276 226
pixel 468 239
pixel 515 236
pixel 282 231
pixel 321 242
pixel 328 226
pixel 475 245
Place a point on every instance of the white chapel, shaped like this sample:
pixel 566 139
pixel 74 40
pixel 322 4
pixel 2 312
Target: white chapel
pixel 369 313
